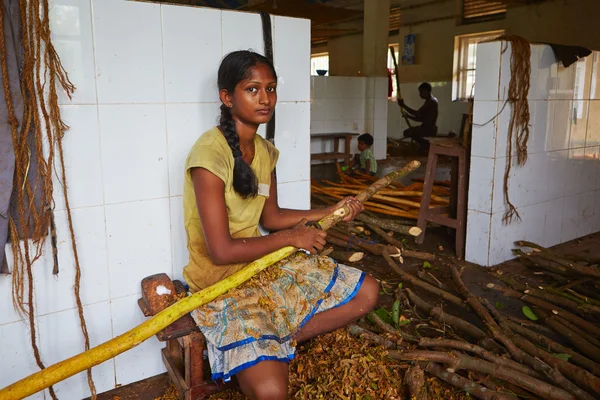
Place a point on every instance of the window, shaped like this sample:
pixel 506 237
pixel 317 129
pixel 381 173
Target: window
pixel 319 61
pixel 390 65
pixel 482 10
pixel 465 60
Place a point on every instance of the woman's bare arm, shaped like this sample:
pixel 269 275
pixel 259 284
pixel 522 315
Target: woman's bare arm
pixel 222 248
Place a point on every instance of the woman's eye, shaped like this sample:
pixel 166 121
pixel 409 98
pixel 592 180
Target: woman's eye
pixel 271 90
pixel 251 90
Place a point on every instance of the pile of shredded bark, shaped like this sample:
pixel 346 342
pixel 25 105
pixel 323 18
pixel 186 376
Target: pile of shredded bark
pixel 340 366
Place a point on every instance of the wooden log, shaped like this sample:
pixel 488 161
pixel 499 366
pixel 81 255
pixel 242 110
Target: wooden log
pixel 555 257
pixel 435 182
pixel 458 324
pixel 580 377
pixel 572 318
pixel 557 348
pixel 83 361
pixel 372 337
pixel 414 378
pixel 542 263
pixel 384 326
pixel 579 331
pixel 375 248
pixel 465 384
pixel 455 362
pixel 423 285
pixel 347 256
pixel 399 210
pixel 500 386
pixel 565 331
pixel 539 328
pixel 502 335
pixel 540 293
pixel 389 225
pixel 397 193
pixel 479 351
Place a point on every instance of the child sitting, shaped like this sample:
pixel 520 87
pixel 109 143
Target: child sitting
pixel 366 158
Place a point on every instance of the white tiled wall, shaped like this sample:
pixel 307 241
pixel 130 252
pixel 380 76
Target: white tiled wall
pixel 557 192
pixel 349 104
pixel 146 79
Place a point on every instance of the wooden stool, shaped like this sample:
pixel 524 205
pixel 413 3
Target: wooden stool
pixel 453 215
pixel 183 354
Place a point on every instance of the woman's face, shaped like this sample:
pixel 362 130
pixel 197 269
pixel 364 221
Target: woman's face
pixel 254 98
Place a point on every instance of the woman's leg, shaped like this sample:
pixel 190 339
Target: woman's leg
pixel 330 320
pixel 267 380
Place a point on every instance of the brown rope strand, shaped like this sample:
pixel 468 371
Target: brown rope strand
pixel 518 129
pixel 41 125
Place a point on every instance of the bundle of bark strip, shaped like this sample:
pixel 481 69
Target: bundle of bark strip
pixel 397 200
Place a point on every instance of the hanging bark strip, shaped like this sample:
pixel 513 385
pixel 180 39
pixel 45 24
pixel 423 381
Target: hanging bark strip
pixel 518 90
pixel 41 74
pixel 97 355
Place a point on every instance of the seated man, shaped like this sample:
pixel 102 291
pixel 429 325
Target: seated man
pixel 427 115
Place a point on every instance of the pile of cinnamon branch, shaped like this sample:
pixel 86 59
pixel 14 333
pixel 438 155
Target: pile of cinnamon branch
pixel 397 200
pixel 493 354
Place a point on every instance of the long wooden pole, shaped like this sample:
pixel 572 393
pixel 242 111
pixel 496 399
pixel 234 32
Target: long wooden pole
pixel 97 355
pixel 404 115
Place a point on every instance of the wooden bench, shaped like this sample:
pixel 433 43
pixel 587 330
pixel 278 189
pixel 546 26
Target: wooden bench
pixel 183 354
pixel 335 154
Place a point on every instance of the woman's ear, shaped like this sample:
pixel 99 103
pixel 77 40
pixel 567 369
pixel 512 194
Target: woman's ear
pixel 226 97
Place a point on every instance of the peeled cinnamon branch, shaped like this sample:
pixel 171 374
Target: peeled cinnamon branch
pixel 363 196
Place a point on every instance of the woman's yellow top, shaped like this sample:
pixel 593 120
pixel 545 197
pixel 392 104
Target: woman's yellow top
pixel 212 152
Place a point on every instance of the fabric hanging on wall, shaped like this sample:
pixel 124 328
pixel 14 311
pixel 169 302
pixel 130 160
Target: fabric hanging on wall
pixel 14 60
pixel 569 54
pixel 12 38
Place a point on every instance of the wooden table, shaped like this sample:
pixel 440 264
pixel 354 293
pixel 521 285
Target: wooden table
pixel 335 154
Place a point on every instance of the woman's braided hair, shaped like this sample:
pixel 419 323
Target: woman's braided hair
pixel 234 68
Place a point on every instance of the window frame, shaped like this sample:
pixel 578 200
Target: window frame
pixel 483 17
pixel 462 68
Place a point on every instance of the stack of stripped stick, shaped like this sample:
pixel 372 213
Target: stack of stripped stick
pixel 397 200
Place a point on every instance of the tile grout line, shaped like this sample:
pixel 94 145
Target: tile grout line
pixel 171 237
pixel 107 253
